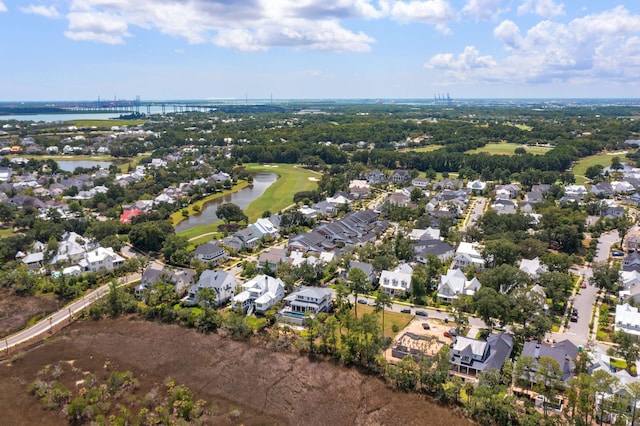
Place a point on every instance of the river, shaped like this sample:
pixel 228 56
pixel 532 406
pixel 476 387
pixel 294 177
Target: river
pixel 242 198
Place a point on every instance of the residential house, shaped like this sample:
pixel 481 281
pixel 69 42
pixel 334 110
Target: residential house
pixel 508 191
pixel 128 215
pixel 34 260
pixel 309 299
pixel 375 177
pixel 602 189
pixel 211 252
pixel 325 208
pixel 622 187
pixel 632 239
pixel 455 284
pixel 533 267
pixel 223 283
pixel 400 177
pixel 564 352
pixel 399 198
pixel 575 190
pixel 367 268
pixel 470 357
pixel 448 184
pixel 424 234
pixel 259 294
pixel 477 186
pixel 271 258
pixel 611 212
pixel 180 278
pixel 631 262
pixel 503 206
pixel 534 197
pixel 265 228
pixel 441 249
pixel 396 282
pixel 359 189
pixel 627 319
pixel 101 259
pixel 630 288
pixel 421 183
pixel 468 256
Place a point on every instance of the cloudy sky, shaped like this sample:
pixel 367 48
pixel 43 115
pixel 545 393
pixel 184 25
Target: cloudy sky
pixel 198 49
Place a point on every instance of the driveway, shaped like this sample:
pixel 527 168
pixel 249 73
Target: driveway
pixel 476 211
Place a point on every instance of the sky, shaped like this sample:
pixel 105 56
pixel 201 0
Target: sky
pixel 318 49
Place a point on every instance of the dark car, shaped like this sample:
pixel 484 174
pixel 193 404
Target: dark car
pixel 405 311
pixel 426 326
pixel 574 318
pixel 362 301
pixel 422 313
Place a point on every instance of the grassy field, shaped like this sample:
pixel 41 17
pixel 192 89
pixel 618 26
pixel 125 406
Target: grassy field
pixel 390 318
pixel 279 195
pixel 65 157
pixel 604 159
pixel 506 148
pixel 427 148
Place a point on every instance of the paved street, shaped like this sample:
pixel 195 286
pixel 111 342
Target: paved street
pixel 476 212
pixel 61 317
pixel 578 332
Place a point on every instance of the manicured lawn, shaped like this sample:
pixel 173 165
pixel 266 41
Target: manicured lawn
pixel 505 148
pixel 427 148
pixel 279 195
pixel 6 232
pixel 390 318
pixel 604 159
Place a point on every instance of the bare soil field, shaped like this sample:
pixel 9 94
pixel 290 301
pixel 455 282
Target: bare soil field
pixel 257 385
pixel 16 311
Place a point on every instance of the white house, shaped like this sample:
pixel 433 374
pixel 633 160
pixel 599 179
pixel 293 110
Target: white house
pixel 533 267
pixel 222 283
pixel 455 284
pixel 101 259
pixel 309 299
pixel 211 252
pixel 627 319
pixel 468 256
pixel 259 294
pixel 477 186
pixel 396 282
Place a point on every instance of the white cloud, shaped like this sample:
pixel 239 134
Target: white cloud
pixel 469 59
pixel 434 12
pixel 599 46
pixel 248 25
pixel 508 33
pixel 544 8
pixel 483 10
pixel 47 12
pixel 3 8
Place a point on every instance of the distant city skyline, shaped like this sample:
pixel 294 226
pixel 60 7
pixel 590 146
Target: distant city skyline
pixel 319 49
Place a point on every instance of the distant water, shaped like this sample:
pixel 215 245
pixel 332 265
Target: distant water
pixel 242 198
pixel 52 118
pixel 71 165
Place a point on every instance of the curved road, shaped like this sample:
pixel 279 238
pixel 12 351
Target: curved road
pixel 64 316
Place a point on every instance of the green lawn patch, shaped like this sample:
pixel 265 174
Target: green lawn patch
pixel 604 159
pixel 427 148
pixel 620 364
pixel 292 179
pixel 507 148
pixel 390 319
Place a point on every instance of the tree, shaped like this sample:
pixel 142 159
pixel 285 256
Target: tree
pixel 602 384
pixel 634 391
pixel 594 172
pixel 504 278
pixel 499 252
pixel 358 283
pixel 489 304
pixel 383 300
pixel 627 348
pixel 207 297
pixel 548 379
pixel 150 236
pixel 230 212
pixel 174 249
pixel 616 164
pixel 605 276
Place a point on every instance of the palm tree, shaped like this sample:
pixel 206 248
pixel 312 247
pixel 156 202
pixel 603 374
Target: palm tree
pixel 383 300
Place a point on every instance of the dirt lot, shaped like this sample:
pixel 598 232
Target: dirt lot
pixel 436 331
pixel 267 387
pixel 16 311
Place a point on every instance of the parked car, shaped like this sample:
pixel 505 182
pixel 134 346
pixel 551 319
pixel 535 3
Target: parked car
pixel 426 326
pixel 405 311
pixel 371 303
pixel 362 301
pixel 422 313
pixel 584 285
pixel 451 332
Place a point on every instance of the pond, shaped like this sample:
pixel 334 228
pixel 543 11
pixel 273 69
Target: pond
pixel 71 165
pixel 241 198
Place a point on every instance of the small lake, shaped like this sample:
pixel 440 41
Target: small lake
pixel 242 198
pixel 71 165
